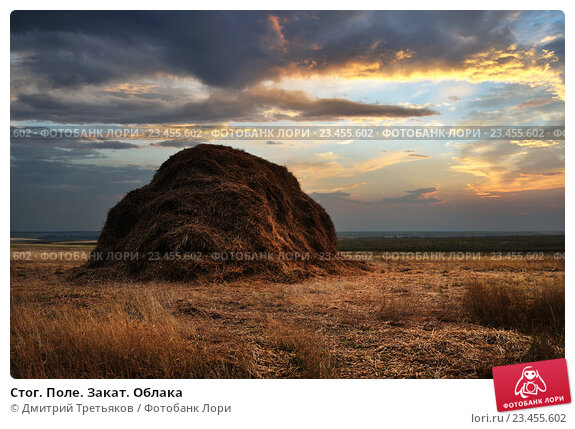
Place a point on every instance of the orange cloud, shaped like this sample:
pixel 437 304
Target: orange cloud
pixel 534 143
pixel 503 167
pixel 512 65
pixel 132 88
pixel 278 40
pixel 421 195
pixel 553 173
pixel 497 186
pixel 537 102
pixel 316 175
pixel 348 187
pixel 429 195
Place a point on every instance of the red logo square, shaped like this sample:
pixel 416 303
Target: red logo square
pixel 530 385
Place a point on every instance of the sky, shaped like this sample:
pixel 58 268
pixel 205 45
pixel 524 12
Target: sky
pixel 448 68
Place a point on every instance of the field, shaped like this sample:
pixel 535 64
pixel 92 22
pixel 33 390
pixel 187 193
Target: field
pixel 413 316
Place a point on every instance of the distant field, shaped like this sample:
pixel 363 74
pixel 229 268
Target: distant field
pixel 536 243
pixel 531 243
pixel 449 318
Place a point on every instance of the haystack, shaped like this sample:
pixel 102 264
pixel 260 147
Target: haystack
pixel 217 213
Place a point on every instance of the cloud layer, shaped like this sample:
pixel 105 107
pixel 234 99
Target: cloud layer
pixel 307 68
pixel 86 66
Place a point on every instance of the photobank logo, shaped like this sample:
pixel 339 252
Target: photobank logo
pixel 530 385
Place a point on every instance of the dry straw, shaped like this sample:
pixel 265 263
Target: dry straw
pixel 217 213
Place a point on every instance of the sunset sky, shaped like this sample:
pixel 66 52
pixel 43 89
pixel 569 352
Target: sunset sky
pixel 298 68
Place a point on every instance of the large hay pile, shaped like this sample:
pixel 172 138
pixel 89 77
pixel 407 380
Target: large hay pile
pixel 217 213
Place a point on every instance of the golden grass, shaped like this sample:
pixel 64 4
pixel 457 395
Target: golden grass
pixel 536 308
pixel 392 308
pixel 128 335
pixel 417 319
pixel 306 348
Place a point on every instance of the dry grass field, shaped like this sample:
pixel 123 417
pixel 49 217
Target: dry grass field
pixel 405 319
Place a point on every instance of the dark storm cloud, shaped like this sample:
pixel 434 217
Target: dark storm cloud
pixel 537 102
pixel 55 185
pixel 540 211
pixel 72 48
pixel 176 143
pixel 58 107
pixel 57 195
pixel 70 66
pixel 239 48
pixel 253 104
pixel 64 149
pixel 112 144
pixel 328 197
pixel 336 108
pixel 557 46
pixel 421 195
